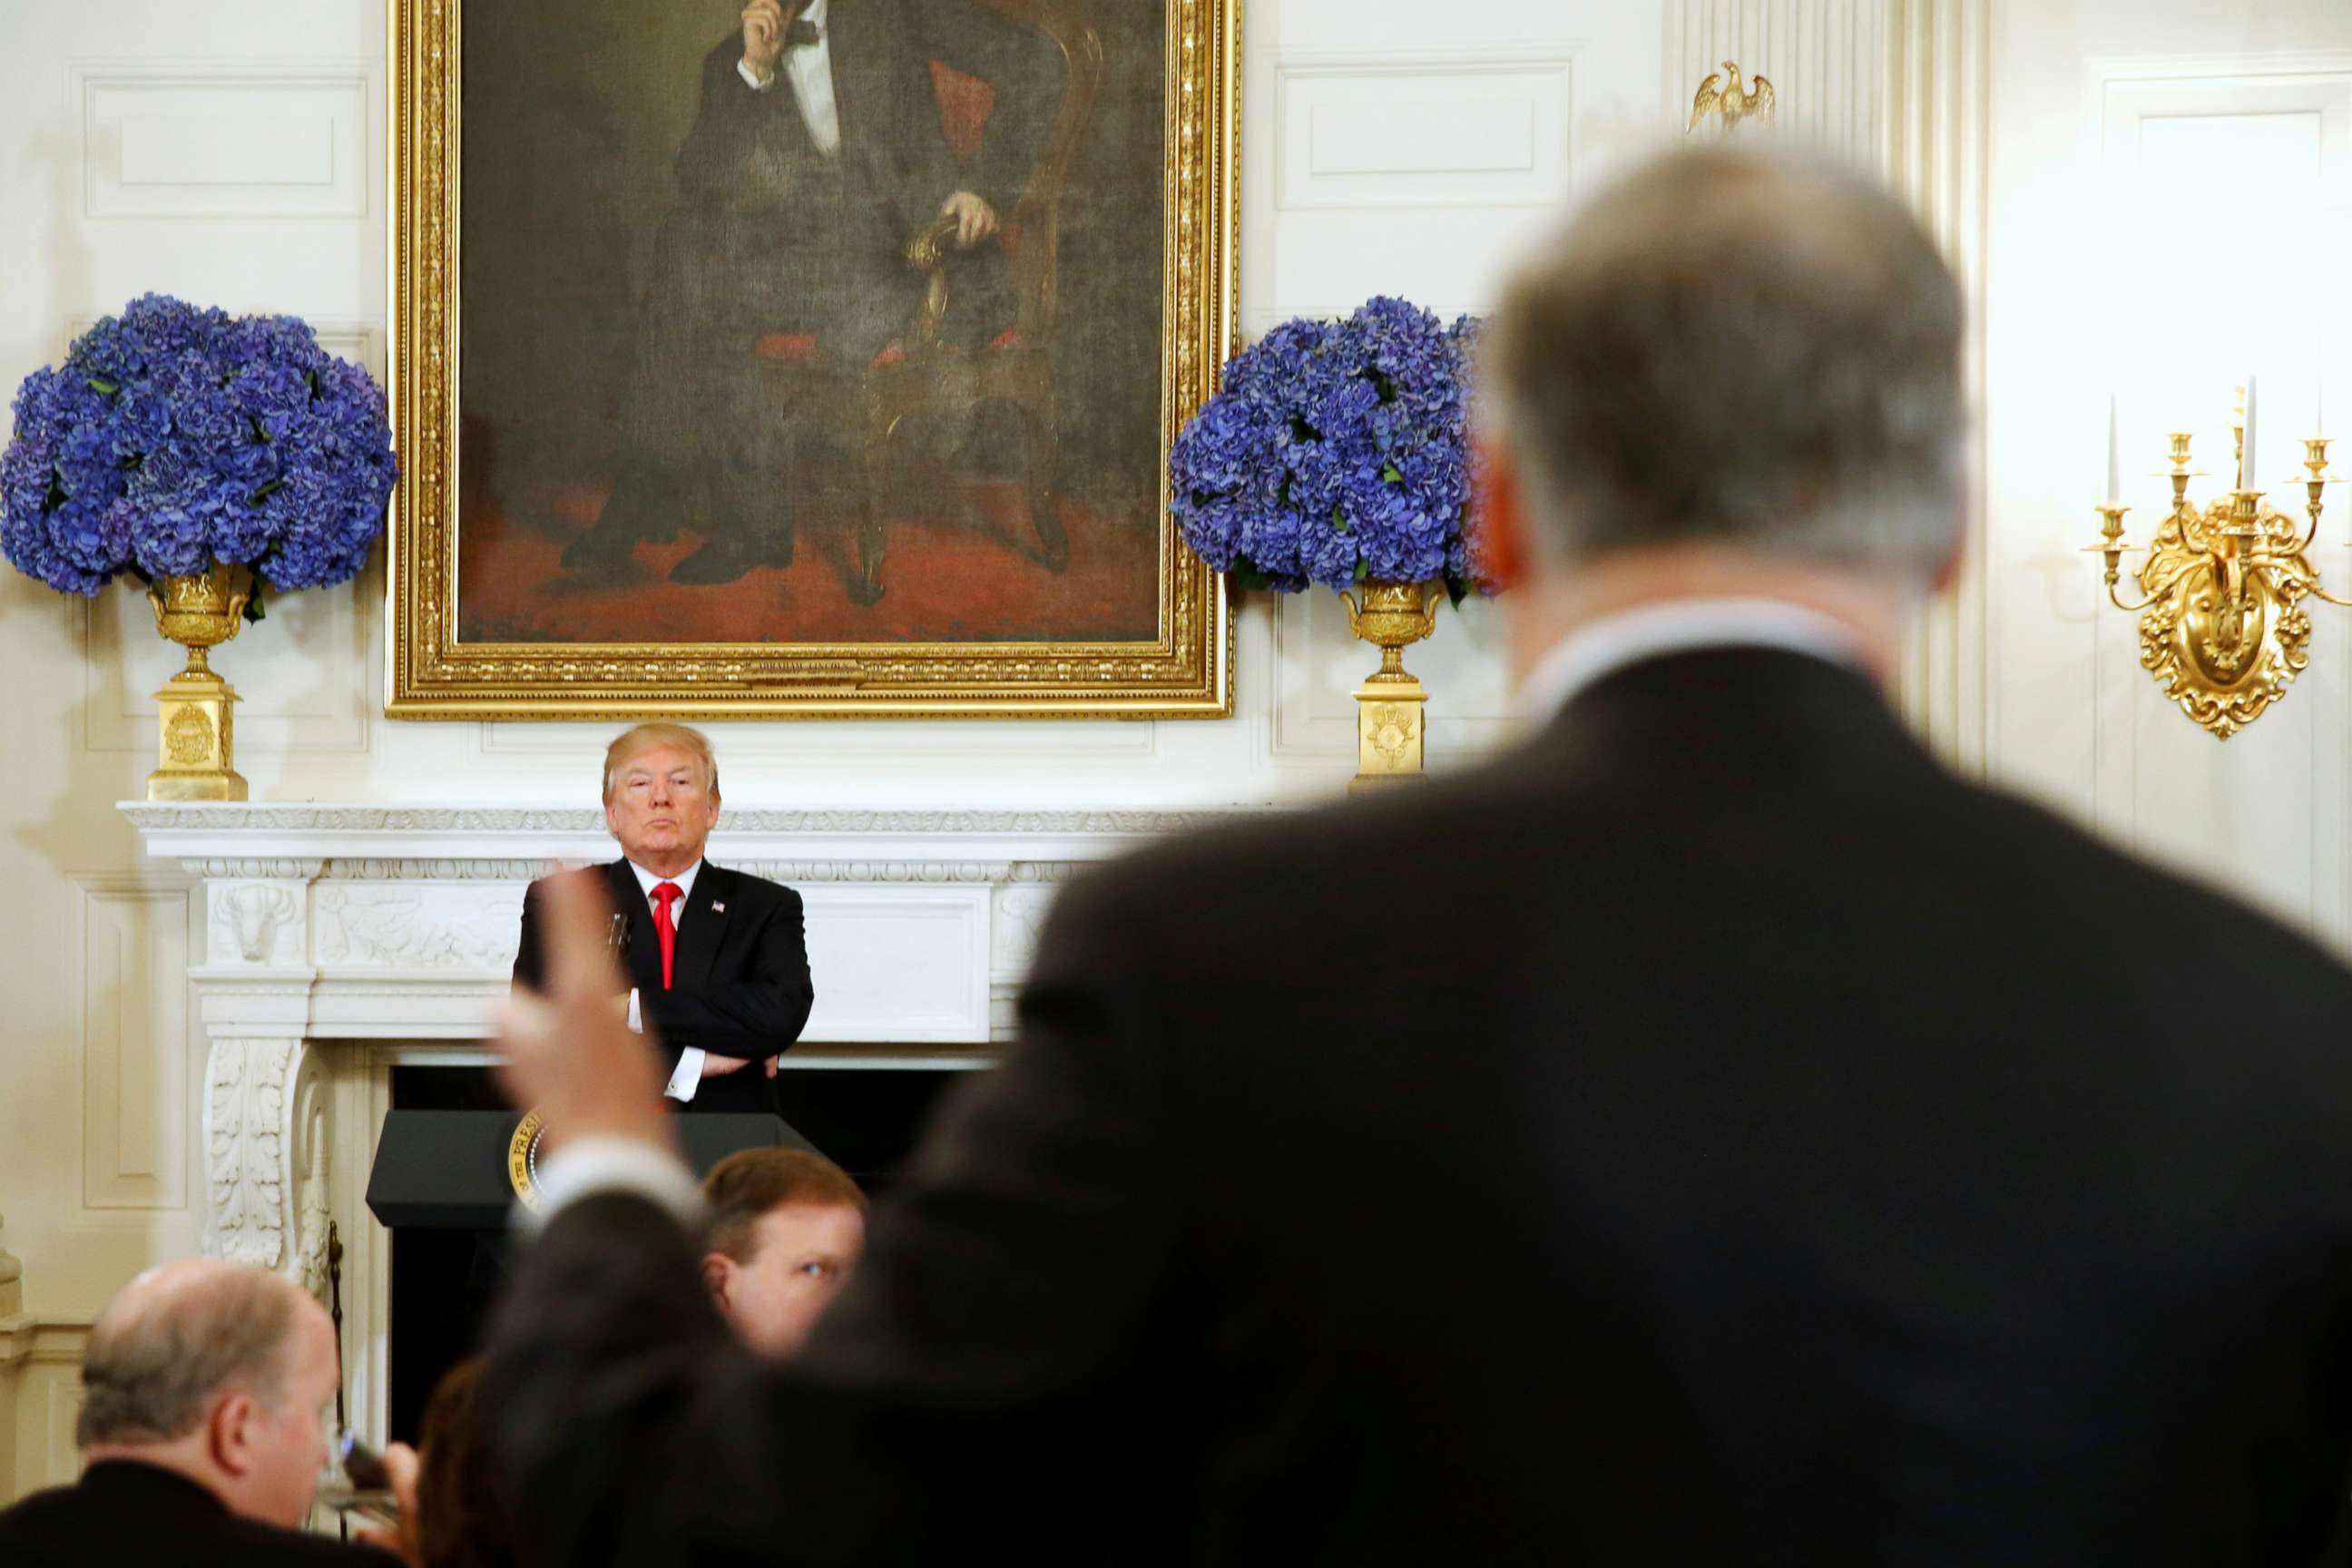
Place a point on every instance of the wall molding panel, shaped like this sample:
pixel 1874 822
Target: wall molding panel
pixel 1476 128
pixel 1318 666
pixel 302 675
pixel 219 141
pixel 40 1401
pixel 134 1024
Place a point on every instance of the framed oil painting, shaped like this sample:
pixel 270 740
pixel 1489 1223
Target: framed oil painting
pixel 805 358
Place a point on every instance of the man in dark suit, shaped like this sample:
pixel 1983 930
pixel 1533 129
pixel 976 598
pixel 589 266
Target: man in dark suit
pixel 718 965
pixel 201 1426
pixel 1714 1132
pixel 816 154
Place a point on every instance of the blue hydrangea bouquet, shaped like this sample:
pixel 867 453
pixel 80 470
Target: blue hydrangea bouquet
pixel 1337 453
pixel 174 439
pixel 197 453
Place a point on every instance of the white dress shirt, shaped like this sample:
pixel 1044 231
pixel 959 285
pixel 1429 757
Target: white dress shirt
pixel 810 69
pixel 1600 648
pixel 687 1077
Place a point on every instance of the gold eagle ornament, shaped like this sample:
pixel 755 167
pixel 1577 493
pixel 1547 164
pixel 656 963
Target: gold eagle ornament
pixel 1730 105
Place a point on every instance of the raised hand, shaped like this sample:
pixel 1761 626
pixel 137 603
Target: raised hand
pixel 567 1052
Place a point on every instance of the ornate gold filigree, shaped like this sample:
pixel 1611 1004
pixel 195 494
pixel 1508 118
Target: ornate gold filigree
pixel 2221 627
pixel 195 726
pixel 1389 705
pixel 1185 671
pixel 2230 638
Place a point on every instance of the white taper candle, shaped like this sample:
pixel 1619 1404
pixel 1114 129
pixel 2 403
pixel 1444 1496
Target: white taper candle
pixel 2115 469
pixel 2246 469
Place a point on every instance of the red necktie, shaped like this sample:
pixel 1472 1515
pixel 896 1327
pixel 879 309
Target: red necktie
pixel 664 894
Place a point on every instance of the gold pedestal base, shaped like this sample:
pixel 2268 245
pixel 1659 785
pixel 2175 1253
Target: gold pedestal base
pixel 197 740
pixel 1388 706
pixel 198 612
pixel 1389 719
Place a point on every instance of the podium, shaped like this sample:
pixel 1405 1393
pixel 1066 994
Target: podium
pixel 441 1184
pixel 448 1170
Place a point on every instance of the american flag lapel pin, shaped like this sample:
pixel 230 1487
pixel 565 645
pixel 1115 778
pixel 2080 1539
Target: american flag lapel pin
pixel 717 908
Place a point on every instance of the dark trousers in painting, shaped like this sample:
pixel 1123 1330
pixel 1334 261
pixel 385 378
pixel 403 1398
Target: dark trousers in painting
pixel 710 438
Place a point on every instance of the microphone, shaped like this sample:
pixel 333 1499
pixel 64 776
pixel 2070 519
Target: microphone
pixel 617 937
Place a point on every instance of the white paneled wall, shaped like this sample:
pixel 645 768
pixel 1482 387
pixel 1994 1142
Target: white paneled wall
pixel 2173 195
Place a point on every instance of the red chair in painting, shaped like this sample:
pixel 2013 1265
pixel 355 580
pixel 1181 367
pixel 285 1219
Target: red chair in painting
pixel 922 373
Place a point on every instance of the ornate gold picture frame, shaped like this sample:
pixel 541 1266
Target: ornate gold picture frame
pixel 915 566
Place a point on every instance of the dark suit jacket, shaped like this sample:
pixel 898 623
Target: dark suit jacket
pixel 739 976
pixel 1713 1133
pixel 894 165
pixel 122 1513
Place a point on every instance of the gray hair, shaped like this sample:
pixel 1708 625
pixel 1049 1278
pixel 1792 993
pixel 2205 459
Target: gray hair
pixel 166 1348
pixel 1739 348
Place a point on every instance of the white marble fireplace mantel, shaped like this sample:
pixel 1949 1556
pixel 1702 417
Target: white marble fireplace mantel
pixel 339 940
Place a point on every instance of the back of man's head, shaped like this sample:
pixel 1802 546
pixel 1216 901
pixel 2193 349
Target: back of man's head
pixel 216 1371
pixel 1735 349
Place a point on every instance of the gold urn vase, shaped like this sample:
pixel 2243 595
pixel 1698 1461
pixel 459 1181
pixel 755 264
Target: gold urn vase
pixel 196 728
pixel 1389 705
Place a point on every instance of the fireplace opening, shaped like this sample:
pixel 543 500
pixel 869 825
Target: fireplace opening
pixel 865 1119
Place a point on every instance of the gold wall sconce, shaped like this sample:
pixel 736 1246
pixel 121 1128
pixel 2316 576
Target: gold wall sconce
pixel 2221 627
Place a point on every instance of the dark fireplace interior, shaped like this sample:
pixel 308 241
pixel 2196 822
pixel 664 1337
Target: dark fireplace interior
pixel 443 1281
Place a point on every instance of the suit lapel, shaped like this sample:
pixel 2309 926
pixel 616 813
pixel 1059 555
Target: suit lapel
pixel 643 962
pixel 702 930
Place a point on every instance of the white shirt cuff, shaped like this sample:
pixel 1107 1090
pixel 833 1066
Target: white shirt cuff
pixel 750 79
pixel 688 1076
pixel 612 1165
pixel 636 1019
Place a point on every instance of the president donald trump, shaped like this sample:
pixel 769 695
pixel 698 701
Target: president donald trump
pixel 716 962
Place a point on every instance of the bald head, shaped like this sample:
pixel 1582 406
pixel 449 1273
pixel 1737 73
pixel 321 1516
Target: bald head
pixel 218 1371
pixel 1737 348
pixel 175 1337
